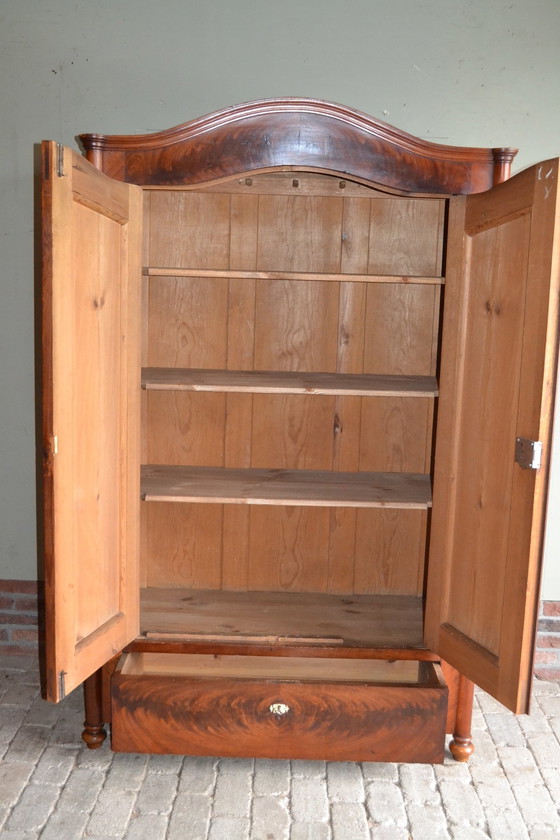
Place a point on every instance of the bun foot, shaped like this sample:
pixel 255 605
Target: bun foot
pixel 94 736
pixel 461 748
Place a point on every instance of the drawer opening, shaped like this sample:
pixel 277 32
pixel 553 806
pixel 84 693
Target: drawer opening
pixel 283 669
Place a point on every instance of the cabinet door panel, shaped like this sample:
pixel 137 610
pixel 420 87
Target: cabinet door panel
pixel 497 376
pixel 91 369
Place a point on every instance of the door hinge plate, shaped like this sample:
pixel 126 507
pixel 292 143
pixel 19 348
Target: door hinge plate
pixel 528 453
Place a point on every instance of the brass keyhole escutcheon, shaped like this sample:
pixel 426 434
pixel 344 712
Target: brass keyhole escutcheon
pixel 279 709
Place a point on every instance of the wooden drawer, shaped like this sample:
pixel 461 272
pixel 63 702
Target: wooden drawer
pixel 279 707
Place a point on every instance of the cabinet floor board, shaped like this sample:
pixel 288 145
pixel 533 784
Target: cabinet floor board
pixel 385 621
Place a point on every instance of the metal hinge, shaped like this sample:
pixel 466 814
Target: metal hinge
pixel 62 685
pixel 528 453
pixel 60 160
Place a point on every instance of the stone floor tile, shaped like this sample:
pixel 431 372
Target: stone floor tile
pixel 345 782
pixel 461 804
pixel 374 771
pixel 198 774
pixel 536 806
pixel 492 786
pixel 157 794
pixel 546 750
pixel 232 795
pixel 147 827
pixel 309 769
pixel 391 832
pixel 127 772
pixel 28 744
pixel 519 765
pixel 550 705
pixel 427 822
pixel 468 832
pixel 165 764
pixel 33 808
pixel 190 817
pixel 19 694
pixel 41 713
pixel 270 818
pixel 385 804
pixel 349 821
pixel 310 831
pixel 418 783
pixel 81 790
pixel 55 765
pixel 229 828
pixel 309 800
pixel 504 824
pixel 111 813
pixel 504 730
pixel 100 759
pixel 65 825
pixel 272 777
pixel 13 779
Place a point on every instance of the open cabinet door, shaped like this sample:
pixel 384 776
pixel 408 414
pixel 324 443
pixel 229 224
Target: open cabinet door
pixel 91 381
pixel 498 370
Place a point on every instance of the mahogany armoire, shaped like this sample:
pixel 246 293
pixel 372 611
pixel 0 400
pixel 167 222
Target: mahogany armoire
pixel 298 374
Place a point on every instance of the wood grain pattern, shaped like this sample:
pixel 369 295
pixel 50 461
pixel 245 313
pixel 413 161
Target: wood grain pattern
pixel 361 621
pixel 286 382
pixel 504 288
pixel 91 415
pixel 318 720
pixel 314 488
pixel 275 133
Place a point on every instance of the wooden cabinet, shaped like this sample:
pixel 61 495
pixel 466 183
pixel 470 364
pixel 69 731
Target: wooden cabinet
pixel 294 363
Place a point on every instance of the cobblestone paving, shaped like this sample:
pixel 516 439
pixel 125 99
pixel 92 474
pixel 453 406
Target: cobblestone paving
pixel 53 788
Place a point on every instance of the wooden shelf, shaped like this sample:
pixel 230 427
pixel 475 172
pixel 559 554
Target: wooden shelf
pixel 281 618
pixel 336 277
pixel 288 382
pixel 285 487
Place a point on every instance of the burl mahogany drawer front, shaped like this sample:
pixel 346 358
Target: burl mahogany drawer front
pixel 263 707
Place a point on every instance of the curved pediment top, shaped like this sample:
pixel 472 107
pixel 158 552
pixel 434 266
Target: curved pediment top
pixel 300 133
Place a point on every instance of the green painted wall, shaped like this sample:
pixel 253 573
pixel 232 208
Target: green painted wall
pixel 471 72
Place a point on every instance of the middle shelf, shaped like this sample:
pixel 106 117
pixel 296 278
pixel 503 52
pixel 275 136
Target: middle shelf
pixel 287 382
pixel 314 488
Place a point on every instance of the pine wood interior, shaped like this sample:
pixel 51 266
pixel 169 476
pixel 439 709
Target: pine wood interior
pixel 286 669
pixel 290 375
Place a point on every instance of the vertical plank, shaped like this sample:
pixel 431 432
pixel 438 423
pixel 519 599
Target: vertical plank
pixel 184 545
pixel 239 407
pixel 288 549
pixel 390 550
pixel 189 229
pixel 347 412
pixel 405 236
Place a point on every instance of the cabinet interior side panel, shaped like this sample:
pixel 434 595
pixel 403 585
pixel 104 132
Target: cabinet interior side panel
pixel 97 412
pixel 495 315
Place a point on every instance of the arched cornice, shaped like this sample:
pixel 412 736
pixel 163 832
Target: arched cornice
pixel 300 134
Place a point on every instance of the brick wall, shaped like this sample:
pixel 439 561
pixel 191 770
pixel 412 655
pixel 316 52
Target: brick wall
pixel 18 626
pixel 18 617
pixel 547 654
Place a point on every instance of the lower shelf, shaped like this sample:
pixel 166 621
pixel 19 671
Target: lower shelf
pixel 291 618
pixel 242 706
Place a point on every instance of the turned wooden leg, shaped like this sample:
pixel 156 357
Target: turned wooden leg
pixel 94 733
pixel 461 745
